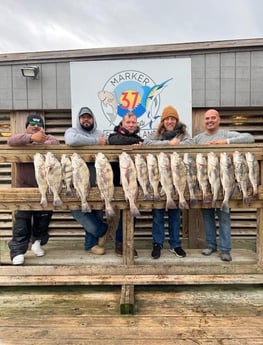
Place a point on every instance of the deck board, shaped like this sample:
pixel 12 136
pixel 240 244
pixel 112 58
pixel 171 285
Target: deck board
pixel 184 315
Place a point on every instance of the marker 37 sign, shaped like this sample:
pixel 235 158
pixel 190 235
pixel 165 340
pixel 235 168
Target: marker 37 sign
pixel 132 91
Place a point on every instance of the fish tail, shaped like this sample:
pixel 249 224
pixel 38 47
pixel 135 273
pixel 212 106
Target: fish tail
pixel 109 211
pixel 134 211
pixel 224 207
pixel 183 205
pixel 43 202
pixel 85 207
pixel 57 202
pixel 246 200
pixel 170 204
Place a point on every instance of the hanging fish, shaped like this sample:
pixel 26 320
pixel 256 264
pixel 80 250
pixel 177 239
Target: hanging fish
pixel 179 178
pixel 40 174
pixel 81 180
pixel 129 181
pixel 153 172
pixel 241 174
pixel 166 179
pixel 213 173
pixel 191 177
pixel 253 172
pixel 54 177
pixel 104 177
pixel 142 175
pixel 66 169
pixel 227 176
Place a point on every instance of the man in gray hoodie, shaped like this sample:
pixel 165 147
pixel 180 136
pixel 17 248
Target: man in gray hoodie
pixel 86 133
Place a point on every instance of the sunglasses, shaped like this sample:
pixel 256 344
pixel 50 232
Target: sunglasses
pixel 33 123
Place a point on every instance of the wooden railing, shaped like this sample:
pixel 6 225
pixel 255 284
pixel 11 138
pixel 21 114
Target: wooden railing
pixel 128 274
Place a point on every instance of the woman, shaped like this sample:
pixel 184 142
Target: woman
pixel 170 132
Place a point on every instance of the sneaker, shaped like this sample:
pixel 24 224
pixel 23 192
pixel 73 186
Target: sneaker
pixel 119 251
pixel 178 251
pixel 208 251
pixel 18 259
pixel 36 248
pixel 97 250
pixel 225 256
pixel 156 252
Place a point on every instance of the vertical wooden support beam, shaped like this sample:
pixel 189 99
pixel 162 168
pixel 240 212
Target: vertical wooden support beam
pixel 260 236
pixel 260 224
pixel 127 291
pixel 196 233
pixel 127 299
pixel 128 240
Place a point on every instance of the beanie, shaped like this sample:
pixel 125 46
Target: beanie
pixel 169 111
pixel 35 118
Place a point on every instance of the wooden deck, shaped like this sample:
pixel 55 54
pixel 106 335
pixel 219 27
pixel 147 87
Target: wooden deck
pixel 165 315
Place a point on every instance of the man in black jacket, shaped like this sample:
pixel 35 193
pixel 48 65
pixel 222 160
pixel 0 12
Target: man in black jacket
pixel 126 133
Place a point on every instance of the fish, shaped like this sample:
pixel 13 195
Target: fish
pixel 142 175
pixel 40 174
pixel 213 173
pixel 104 178
pixel 191 177
pixel 53 177
pixel 227 176
pixel 66 169
pixel 166 179
pixel 129 181
pixel 253 172
pixel 202 176
pixel 153 172
pixel 81 180
pixel 241 174
pixel 179 178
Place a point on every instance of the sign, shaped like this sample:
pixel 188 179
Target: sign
pixel 142 86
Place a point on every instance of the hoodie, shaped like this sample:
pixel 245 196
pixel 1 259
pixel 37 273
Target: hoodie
pixel 78 136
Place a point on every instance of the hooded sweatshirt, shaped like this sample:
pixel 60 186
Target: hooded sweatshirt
pixel 78 136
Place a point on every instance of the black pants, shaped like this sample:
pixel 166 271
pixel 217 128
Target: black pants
pixel 29 225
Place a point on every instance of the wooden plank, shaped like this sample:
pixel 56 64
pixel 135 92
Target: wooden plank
pixel 127 299
pixel 209 315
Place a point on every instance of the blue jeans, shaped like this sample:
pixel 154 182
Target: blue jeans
pixel 158 229
pixel 93 225
pixel 224 228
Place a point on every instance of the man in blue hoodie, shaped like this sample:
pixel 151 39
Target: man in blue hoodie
pixel 86 133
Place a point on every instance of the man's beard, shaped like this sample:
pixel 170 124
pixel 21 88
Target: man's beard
pixel 88 127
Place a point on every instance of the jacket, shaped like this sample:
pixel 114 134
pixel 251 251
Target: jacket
pixel 25 172
pixel 122 136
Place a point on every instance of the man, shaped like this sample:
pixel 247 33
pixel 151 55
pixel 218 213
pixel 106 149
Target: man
pixel 86 133
pixel 29 224
pixel 126 133
pixel 214 135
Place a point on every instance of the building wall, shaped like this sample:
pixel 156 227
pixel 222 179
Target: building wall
pixel 226 74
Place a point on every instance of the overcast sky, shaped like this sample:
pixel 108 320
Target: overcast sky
pixel 41 25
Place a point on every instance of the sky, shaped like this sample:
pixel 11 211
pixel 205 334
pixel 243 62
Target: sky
pixel 50 25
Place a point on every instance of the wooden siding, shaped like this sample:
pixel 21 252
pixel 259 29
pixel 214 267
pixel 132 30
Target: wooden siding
pixel 224 74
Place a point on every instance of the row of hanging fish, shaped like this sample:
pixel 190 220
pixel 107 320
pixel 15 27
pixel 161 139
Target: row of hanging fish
pixel 53 175
pixel 156 175
pixel 171 174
